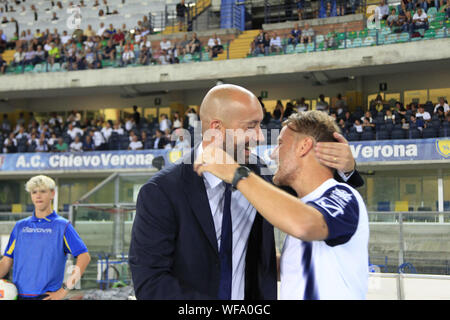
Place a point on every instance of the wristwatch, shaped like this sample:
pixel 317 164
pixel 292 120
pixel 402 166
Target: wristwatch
pixel 241 173
pixel 66 287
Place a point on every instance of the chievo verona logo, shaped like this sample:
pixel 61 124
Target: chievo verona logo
pixel 443 147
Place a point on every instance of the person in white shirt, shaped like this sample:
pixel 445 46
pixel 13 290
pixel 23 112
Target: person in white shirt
pixel 165 45
pixel 73 131
pixel 325 253
pixel 102 29
pixel 98 139
pixel 65 37
pixel 182 143
pixel 421 113
pixel 129 124
pixel 164 124
pixel 41 145
pixel 358 126
pixel 442 104
pixel 135 144
pixel 127 56
pixel 275 43
pixel 211 41
pixel 76 145
pixel 107 130
pixel 117 128
pixel 382 10
pixel 420 19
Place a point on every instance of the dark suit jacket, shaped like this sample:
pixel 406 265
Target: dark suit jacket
pixel 174 252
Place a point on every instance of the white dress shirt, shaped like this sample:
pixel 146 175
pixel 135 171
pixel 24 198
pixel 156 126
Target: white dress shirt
pixel 242 217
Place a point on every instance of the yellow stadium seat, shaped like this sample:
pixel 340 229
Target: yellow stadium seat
pixel 16 208
pixel 401 206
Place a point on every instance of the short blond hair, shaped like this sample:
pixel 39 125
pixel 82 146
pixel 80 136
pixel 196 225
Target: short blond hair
pixel 314 123
pixel 40 182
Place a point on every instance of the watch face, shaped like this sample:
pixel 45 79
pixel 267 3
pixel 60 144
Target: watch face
pixel 244 171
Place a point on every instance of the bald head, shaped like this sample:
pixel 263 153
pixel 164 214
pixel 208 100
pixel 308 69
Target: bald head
pixel 227 103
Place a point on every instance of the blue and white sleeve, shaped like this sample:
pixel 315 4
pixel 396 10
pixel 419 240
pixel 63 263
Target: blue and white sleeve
pixel 340 209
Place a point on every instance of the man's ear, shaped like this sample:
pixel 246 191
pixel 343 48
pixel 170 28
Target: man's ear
pixel 215 124
pixel 304 146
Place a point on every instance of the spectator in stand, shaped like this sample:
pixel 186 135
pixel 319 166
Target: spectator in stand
pixel 128 56
pixel 181 9
pixel 39 57
pixel 3 65
pixel 110 32
pixel 145 139
pixel 110 51
pixel 177 123
pixel 182 143
pixel 340 105
pixel 101 31
pixel 392 19
pixel 342 126
pixel 368 116
pixel 136 115
pixel 442 105
pixel 295 35
pixel 10 144
pixel 421 113
pixel 54 55
pixel 307 34
pixel 259 43
pixel 400 110
pixel 445 8
pixel 212 41
pixel 107 130
pixel 266 43
pixel 382 10
pixel 29 56
pixel 405 124
pixel 300 8
pixel 302 105
pixel 135 144
pixel 73 131
pixel 403 22
pixel 194 45
pixel 358 126
pixel 41 145
pixel 340 7
pixel 191 119
pixel 420 20
pixel 88 144
pixel 182 45
pixel 76 145
pixel 366 123
pixel 216 49
pixel 160 141
pixel 98 139
pixel 275 43
pixel 389 117
pixel 164 124
pixel 54 17
pixel 19 57
pixel 61 145
pixel 6 124
pixel 117 128
pixel 165 45
pixel 322 105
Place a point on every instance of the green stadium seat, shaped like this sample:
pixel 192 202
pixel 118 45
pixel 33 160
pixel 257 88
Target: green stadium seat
pixel 372 32
pixel 310 47
pixel 320 38
pixel 431 12
pixel 29 68
pixel 391 38
pixel 341 36
pixel 429 34
pixel 357 43
pixel 38 68
pixel 369 41
pixel 300 48
pixel 403 37
pixel 440 33
pixel 363 33
pixel 56 67
pixel 352 35
pixel 385 31
pixel 290 49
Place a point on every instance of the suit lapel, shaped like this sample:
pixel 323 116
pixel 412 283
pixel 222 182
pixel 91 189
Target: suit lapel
pixel 198 200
